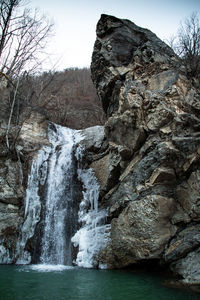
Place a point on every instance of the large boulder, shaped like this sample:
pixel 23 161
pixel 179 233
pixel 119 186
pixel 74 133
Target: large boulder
pixel 152 131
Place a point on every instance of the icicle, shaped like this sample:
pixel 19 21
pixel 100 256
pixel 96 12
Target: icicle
pixel 94 233
pixel 32 206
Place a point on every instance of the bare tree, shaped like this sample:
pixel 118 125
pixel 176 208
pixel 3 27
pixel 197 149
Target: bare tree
pixel 23 36
pixel 187 44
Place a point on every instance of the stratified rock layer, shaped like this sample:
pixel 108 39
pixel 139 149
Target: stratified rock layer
pixel 150 176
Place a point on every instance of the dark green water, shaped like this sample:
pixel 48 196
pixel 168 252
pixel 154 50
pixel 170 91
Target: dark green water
pixel 18 283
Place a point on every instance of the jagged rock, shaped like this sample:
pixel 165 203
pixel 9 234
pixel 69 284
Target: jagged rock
pixel 10 222
pixel 153 121
pixel 189 267
pixel 14 167
pixel 162 176
pixel 101 168
pixel 11 189
pixel 186 241
pixel 142 230
pixel 106 166
pixel 120 47
pixel 94 143
pixel 33 134
pixel 107 170
pixel 188 199
pixel 122 131
pixel 93 137
pixel 147 159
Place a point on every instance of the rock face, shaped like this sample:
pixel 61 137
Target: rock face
pixel 14 170
pixel 150 176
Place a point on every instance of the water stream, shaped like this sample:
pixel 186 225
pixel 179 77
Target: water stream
pixel 59 199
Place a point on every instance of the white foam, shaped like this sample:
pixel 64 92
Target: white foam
pixel 50 268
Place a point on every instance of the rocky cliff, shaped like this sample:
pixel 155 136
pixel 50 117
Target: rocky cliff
pixel 15 166
pixel 150 177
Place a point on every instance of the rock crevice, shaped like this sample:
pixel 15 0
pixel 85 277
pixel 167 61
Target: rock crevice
pixel 153 136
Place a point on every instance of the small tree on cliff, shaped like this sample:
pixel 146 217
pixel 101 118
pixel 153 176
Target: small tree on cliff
pixel 187 44
pixel 23 35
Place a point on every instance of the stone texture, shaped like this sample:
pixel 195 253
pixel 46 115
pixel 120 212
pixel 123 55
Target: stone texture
pixel 11 189
pixel 142 230
pixel 101 168
pixel 94 143
pixel 188 196
pixel 33 133
pixel 93 137
pixel 189 267
pixel 153 135
pixel 120 43
pixel 10 222
pixel 147 158
pixel 14 168
pixel 184 242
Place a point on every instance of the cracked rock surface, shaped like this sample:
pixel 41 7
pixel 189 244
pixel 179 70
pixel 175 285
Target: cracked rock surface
pixel 152 180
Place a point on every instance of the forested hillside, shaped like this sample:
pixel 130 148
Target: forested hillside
pixel 67 98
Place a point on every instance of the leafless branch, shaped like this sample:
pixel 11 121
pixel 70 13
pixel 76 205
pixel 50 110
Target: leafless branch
pixel 187 44
pixel 22 37
pixel 11 113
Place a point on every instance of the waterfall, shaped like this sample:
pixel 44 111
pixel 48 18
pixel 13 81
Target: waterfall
pixel 59 218
pixel 52 195
pixel 94 233
pixel 36 177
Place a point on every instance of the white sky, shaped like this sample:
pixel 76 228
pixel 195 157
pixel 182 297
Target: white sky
pixel 75 23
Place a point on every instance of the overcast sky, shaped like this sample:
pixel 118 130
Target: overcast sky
pixel 75 23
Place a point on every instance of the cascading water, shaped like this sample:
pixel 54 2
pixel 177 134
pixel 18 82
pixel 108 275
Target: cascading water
pixel 94 233
pixel 60 220
pixel 36 177
pixel 52 195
